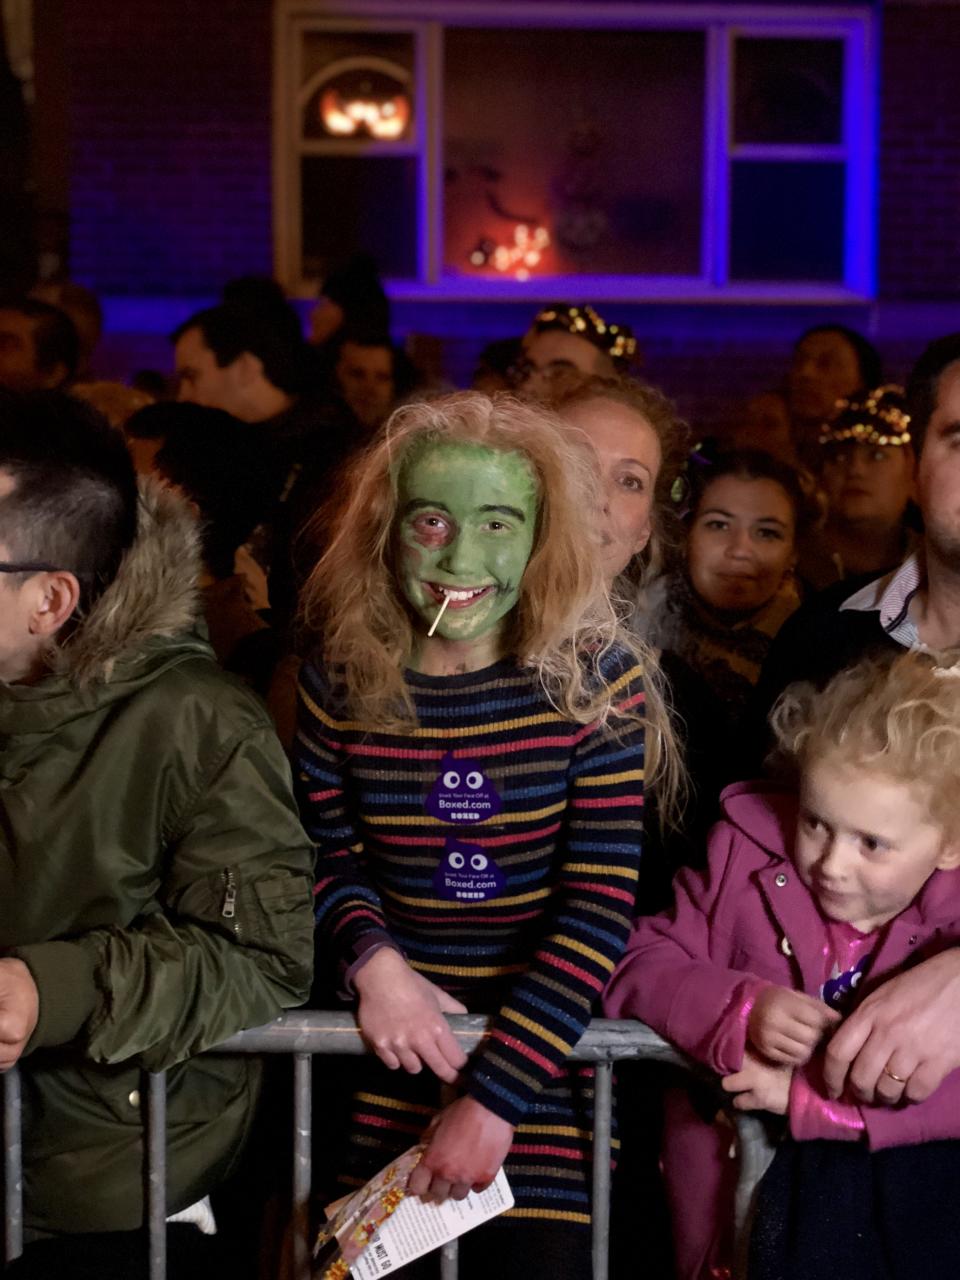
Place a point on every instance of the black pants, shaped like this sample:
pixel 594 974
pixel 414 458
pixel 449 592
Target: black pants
pixel 118 1255
pixel 832 1210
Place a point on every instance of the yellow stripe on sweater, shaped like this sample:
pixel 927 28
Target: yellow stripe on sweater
pixel 605 962
pixel 500 726
pixel 554 1215
pixel 464 971
pixel 556 1130
pixel 610 779
pixel 375 1099
pixel 535 1028
pixel 629 677
pixel 600 869
pixel 520 898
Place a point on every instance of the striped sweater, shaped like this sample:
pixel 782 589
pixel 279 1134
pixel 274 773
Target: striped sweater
pixel 497 845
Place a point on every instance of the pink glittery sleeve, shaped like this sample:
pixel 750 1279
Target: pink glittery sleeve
pixel 730 1033
pixel 814 1116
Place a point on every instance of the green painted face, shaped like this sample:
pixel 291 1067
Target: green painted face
pixel 465 530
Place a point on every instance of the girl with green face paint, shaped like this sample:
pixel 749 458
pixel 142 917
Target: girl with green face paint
pixel 451 786
pixel 465 529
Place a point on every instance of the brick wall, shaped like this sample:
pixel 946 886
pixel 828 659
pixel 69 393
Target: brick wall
pixel 169 127
pixel 920 152
pixel 170 143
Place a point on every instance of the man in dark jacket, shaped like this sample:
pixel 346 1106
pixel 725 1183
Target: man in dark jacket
pixel 154 876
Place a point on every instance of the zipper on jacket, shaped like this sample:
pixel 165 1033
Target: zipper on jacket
pixel 229 909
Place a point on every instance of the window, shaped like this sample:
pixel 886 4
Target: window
pixel 638 151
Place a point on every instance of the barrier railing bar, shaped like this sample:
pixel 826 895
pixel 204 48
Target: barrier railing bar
pixel 321 1032
pixel 449 1252
pixel 600 1199
pixel 306 1033
pixel 302 1169
pixel 157 1172
pixel 755 1152
pixel 12 1167
pixel 450 1260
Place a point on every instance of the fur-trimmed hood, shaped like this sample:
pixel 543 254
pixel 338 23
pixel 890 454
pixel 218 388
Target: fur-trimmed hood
pixel 154 595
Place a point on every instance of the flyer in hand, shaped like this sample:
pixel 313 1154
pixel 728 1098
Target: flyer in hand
pixel 379 1228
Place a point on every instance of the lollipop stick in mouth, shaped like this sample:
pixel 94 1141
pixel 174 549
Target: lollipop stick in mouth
pixel 436 621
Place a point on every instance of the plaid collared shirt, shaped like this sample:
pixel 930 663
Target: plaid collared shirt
pixel 891 595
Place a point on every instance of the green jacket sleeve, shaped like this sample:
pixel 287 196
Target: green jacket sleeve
pixel 227 944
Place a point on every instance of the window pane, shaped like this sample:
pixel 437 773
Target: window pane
pixel 595 137
pixel 788 91
pixel 351 204
pixel 787 221
pixel 357 85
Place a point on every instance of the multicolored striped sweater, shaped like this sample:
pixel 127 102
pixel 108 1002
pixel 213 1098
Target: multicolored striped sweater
pixel 497 845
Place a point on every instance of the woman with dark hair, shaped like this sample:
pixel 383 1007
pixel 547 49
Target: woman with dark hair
pixel 721 610
pixel 830 362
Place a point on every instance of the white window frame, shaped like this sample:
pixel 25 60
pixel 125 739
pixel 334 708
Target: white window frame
pixel 722 24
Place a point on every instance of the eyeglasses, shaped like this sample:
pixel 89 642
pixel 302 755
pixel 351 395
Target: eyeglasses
pixel 28 566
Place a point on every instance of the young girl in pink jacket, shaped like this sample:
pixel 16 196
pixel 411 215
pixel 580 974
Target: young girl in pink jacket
pixel 811 900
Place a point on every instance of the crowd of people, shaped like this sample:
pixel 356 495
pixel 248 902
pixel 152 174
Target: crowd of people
pixel 320 685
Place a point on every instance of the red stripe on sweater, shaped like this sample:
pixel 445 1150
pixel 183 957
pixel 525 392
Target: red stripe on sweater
pixel 575 971
pixel 485 842
pixel 526 1050
pixel 607 890
pixel 491 749
pixel 381 1122
pixel 607 802
pixel 361 913
pixel 533 1149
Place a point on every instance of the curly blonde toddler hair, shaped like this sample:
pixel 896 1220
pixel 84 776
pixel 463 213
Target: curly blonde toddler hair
pixel 899 717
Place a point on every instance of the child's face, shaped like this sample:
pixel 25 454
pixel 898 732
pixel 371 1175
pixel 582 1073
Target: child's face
pixel 865 844
pixel 465 530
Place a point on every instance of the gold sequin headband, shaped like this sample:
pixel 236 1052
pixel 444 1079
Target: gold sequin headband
pixel 616 340
pixel 876 417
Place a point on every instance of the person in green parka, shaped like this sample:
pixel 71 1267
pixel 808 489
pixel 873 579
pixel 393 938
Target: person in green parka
pixel 155 881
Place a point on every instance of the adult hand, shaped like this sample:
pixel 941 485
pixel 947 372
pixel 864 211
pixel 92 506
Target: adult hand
pixel 903 1039
pixel 401 1017
pixel 759 1085
pixel 786 1026
pixel 465 1148
pixel 19 1010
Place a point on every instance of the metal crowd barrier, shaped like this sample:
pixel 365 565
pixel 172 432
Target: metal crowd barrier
pixel 309 1033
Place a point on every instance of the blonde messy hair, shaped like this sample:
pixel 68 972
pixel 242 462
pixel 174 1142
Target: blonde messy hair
pixel 673 437
pixel 898 717
pixel 563 623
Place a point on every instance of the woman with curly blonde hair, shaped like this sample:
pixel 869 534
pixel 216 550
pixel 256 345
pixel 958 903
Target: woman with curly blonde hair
pixel 471 764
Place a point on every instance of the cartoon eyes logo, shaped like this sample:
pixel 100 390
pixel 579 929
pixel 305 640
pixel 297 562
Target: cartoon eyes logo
pixel 474 780
pixel 462 792
pixel 467 873
pixel 478 861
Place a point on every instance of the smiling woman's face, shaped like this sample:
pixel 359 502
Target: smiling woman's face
pixel 741 543
pixel 465 528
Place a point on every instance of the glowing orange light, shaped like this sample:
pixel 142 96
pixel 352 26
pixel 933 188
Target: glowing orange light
pixel 345 117
pixel 524 253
